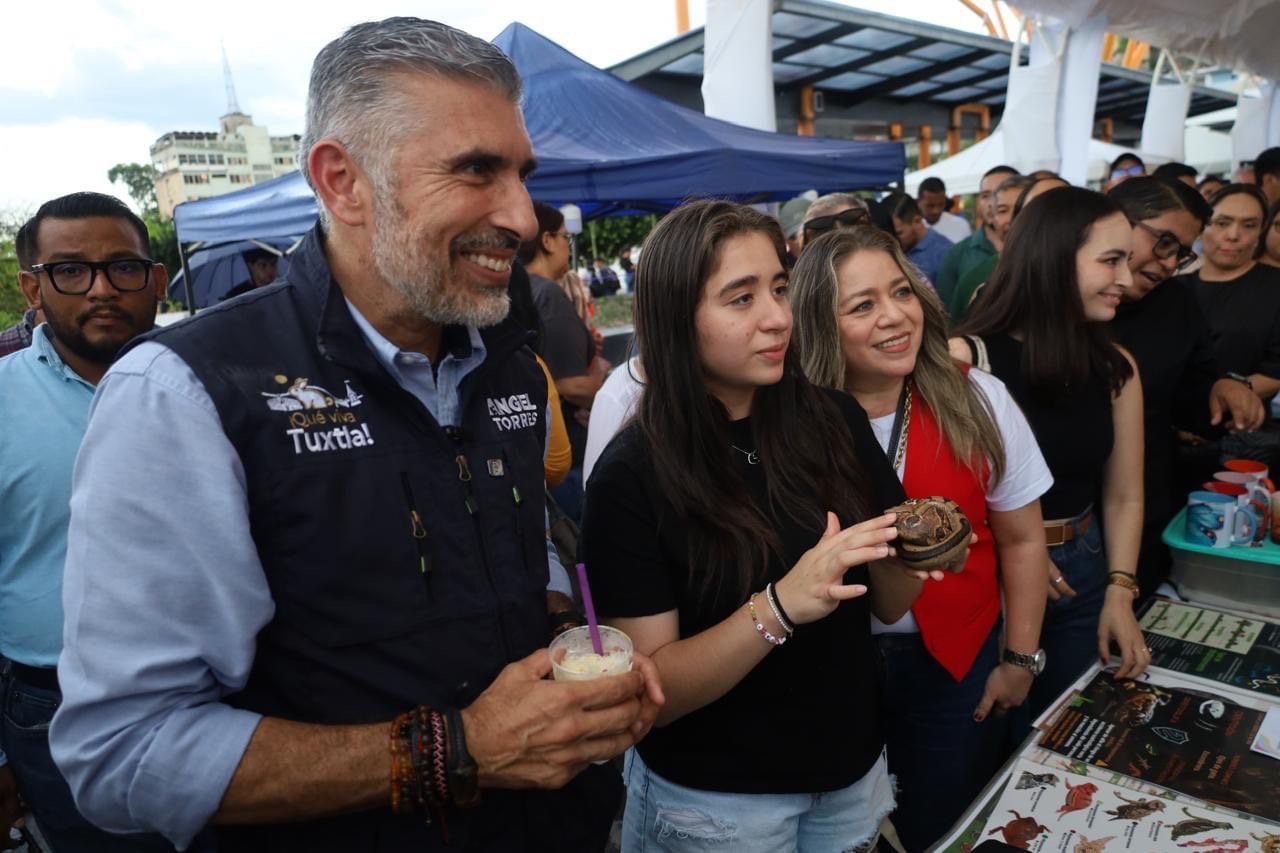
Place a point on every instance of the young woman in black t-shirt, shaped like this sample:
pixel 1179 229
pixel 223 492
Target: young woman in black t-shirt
pixel 717 530
pixel 1042 324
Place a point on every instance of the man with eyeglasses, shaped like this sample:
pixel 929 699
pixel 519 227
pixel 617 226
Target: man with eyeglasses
pixel 1160 323
pixel 87 268
pixel 830 212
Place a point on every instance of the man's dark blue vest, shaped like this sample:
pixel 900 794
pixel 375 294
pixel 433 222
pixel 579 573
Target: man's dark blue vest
pixel 407 561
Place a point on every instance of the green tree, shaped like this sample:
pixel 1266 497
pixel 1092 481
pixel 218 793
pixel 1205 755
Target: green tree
pixel 140 181
pixel 12 302
pixel 608 236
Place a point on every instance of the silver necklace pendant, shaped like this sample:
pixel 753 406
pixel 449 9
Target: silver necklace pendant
pixel 753 458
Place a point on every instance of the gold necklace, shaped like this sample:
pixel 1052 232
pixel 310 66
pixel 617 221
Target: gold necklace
pixel 902 435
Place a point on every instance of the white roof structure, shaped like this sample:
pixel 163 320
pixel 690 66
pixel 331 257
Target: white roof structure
pixel 1238 34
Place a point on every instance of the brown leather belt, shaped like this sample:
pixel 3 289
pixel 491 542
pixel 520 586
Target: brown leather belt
pixel 1062 530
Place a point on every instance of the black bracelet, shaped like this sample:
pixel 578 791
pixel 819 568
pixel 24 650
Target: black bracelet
pixel 464 776
pixel 772 595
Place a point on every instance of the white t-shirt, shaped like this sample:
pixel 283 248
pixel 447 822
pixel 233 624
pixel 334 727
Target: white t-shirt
pixel 1026 476
pixel 954 228
pixel 613 405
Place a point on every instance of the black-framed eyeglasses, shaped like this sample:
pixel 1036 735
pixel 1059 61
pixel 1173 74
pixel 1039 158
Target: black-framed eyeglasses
pixel 75 278
pixel 1167 246
pixel 820 225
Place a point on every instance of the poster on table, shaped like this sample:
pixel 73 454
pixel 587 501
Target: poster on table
pixel 1237 650
pixel 982 816
pixel 1180 738
pixel 1054 809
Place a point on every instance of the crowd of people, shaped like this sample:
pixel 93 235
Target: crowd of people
pixel 282 577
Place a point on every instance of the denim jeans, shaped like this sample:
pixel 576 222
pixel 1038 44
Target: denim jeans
pixel 24 736
pixel 940 757
pixel 1070 633
pixel 663 816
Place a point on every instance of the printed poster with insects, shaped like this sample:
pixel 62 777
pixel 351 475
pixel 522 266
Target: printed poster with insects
pixel 1052 809
pixel 1182 739
pixel 1237 650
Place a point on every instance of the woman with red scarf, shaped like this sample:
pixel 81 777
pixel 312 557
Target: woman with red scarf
pixel 865 323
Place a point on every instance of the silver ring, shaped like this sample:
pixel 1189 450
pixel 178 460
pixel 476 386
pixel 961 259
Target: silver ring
pixel 1059 579
pixel 1147 649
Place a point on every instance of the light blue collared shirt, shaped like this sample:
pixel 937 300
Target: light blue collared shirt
pixel 165 594
pixel 44 406
pixel 928 253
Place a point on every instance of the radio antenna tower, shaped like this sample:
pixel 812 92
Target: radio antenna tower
pixel 233 106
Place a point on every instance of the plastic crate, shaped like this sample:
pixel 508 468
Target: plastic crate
pixel 1241 577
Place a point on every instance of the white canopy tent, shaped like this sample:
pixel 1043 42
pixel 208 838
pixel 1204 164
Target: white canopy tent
pixel 1237 34
pixel 963 172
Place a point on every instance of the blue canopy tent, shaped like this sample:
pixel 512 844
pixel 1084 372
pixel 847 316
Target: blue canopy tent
pixel 213 233
pixel 601 143
pixel 601 140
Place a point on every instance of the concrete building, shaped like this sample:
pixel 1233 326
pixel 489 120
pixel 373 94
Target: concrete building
pixel 198 164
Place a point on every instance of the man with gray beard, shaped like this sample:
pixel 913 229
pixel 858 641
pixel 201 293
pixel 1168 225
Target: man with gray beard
pixel 324 628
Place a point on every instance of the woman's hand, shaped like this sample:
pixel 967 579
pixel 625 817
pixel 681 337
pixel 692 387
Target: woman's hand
pixel 1007 688
pixel 813 587
pixel 1058 585
pixel 1117 623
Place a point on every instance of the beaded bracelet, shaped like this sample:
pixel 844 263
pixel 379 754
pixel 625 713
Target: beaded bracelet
pixel 419 758
pixel 755 619
pixel 1124 579
pixel 771 596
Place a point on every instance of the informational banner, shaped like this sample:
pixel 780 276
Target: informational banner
pixel 1212 645
pixel 1190 741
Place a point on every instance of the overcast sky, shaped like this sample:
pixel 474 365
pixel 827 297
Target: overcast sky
pixel 86 84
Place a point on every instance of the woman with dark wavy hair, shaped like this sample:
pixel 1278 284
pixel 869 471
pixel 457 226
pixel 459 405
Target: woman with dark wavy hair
pixel 733 530
pixel 1042 326
pixel 867 325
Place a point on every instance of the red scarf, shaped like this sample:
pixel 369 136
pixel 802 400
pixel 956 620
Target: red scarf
pixel 956 614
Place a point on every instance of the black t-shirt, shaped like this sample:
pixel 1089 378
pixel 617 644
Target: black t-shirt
pixel 1167 336
pixel 1074 430
pixel 807 718
pixel 567 348
pixel 1244 319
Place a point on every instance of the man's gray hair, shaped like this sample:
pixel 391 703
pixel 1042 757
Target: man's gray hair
pixel 833 203
pixel 353 99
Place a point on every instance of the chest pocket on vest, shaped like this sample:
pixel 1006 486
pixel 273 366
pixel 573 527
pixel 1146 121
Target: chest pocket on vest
pixel 384 545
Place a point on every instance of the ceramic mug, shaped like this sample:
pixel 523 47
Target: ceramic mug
pixel 1216 520
pixel 1246 498
pixel 1253 476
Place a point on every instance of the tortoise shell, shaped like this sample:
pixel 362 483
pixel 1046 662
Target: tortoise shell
pixel 932 533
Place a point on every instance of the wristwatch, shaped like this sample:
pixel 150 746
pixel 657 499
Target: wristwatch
pixel 1240 377
pixel 460 768
pixel 1032 663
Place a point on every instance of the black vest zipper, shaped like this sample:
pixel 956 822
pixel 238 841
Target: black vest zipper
pixel 517 499
pixel 473 509
pixel 419 532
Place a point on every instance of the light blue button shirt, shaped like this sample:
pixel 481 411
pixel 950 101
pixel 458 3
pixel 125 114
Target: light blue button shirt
pixel 44 406
pixel 165 594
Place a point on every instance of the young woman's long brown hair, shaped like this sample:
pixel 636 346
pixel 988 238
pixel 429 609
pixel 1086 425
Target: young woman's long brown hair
pixel 1034 292
pixel 963 413
pixel 802 438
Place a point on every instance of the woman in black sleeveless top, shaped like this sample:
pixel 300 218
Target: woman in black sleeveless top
pixel 1040 327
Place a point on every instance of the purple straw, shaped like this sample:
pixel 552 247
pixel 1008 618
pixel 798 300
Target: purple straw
pixel 592 624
